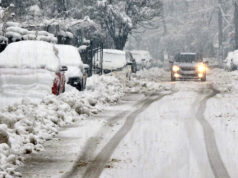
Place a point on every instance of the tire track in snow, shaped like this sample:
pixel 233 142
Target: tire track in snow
pixel 87 155
pixel 218 168
pixel 95 169
pixel 96 166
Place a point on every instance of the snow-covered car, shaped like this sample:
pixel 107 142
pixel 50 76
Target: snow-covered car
pixel 30 69
pixel 231 62
pixel 76 75
pixel 113 60
pixel 143 58
pixel 188 66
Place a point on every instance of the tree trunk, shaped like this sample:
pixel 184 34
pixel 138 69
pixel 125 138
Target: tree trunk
pixel 220 36
pixel 236 25
pixel 120 42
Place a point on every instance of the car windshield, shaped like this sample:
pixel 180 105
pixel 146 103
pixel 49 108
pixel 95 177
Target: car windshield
pixel 188 58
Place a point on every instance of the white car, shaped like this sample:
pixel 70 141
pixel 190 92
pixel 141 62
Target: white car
pixel 76 74
pixel 113 60
pixel 143 58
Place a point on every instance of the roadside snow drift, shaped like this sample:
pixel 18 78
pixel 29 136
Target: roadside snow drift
pixel 24 127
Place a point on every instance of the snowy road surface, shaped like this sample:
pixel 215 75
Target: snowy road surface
pixel 190 131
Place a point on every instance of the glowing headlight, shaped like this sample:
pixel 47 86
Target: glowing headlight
pixel 176 68
pixel 201 68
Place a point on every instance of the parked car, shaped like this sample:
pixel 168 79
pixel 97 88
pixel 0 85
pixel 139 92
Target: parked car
pixel 188 66
pixel 76 75
pixel 143 58
pixel 30 69
pixel 113 60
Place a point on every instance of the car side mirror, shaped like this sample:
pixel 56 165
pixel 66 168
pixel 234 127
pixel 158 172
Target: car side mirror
pixel 171 62
pixel 63 68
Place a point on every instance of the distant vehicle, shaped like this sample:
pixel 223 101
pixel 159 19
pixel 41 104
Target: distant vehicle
pixel 143 58
pixel 76 74
pixel 113 60
pixel 188 66
pixel 30 69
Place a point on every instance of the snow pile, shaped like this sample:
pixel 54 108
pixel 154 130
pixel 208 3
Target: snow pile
pixel 16 84
pixel 25 127
pixel 145 81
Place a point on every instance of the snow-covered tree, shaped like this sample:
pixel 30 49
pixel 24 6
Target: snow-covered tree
pixel 119 18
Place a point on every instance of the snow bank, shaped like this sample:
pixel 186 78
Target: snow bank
pixel 29 54
pixel 113 59
pixel 17 84
pixel 25 127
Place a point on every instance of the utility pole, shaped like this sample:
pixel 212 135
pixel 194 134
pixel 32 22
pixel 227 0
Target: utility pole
pixel 220 35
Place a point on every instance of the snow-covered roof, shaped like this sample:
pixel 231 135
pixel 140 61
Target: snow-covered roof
pixel 14 35
pixel 30 54
pixel 114 51
pixel 19 30
pixel 12 24
pixel 2 38
pixel 69 55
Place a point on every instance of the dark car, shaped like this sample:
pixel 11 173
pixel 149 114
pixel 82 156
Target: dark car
pixel 188 66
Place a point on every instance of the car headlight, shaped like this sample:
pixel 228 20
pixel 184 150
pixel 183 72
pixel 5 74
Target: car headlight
pixel 176 68
pixel 201 68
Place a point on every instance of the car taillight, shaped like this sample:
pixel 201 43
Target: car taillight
pixel 55 88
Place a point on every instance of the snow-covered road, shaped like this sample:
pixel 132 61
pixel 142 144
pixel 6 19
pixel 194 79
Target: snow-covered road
pixel 189 130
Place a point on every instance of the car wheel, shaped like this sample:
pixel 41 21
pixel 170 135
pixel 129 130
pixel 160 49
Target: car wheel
pixel 79 87
pixel 204 78
pixel 172 77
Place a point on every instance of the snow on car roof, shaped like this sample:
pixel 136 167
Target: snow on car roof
pixel 185 53
pixel 69 55
pixel 30 54
pixel 114 51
